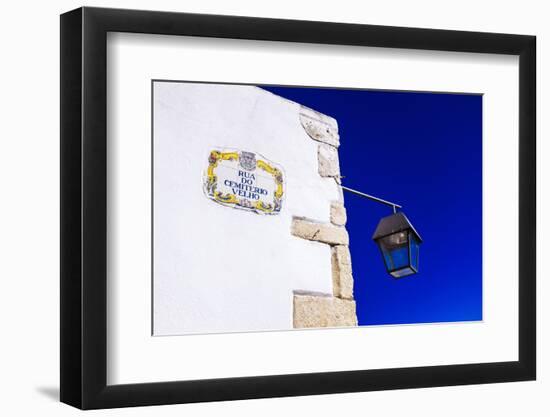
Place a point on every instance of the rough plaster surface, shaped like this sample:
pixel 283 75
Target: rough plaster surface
pixel 217 269
pixel 319 311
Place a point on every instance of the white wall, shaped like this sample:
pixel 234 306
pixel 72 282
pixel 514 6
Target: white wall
pixel 255 263
pixel 30 204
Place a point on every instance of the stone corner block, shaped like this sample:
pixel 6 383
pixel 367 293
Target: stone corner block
pixel 329 164
pixel 320 232
pixel 312 311
pixel 319 127
pixel 338 215
pixel 342 276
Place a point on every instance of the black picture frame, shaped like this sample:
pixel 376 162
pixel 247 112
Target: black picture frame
pixel 84 207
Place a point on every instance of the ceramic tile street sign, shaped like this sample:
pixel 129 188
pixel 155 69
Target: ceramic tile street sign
pixel 244 180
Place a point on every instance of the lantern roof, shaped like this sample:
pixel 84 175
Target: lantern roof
pixel 394 223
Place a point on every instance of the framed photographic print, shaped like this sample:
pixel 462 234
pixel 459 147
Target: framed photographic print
pixel 257 208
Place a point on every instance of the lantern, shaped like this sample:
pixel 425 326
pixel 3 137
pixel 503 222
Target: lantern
pixel 399 244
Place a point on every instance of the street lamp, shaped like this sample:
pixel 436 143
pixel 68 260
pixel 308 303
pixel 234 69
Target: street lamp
pixel 396 238
pixel 399 244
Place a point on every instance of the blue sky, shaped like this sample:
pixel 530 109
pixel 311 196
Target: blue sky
pixel 423 151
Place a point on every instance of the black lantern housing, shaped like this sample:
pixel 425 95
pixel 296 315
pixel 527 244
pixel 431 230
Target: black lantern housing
pixel 399 244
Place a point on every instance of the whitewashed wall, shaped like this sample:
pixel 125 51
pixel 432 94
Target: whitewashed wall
pixel 217 269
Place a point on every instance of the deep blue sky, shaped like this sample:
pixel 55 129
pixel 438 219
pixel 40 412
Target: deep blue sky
pixel 423 151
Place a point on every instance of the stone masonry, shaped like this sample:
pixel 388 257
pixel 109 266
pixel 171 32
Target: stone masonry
pixel 336 309
pixel 342 278
pixel 326 233
pixel 319 311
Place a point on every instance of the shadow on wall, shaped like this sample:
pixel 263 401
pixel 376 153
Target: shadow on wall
pixel 49 392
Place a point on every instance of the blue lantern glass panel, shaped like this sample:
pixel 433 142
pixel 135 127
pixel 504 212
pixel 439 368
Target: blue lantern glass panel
pixel 415 251
pixel 395 250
